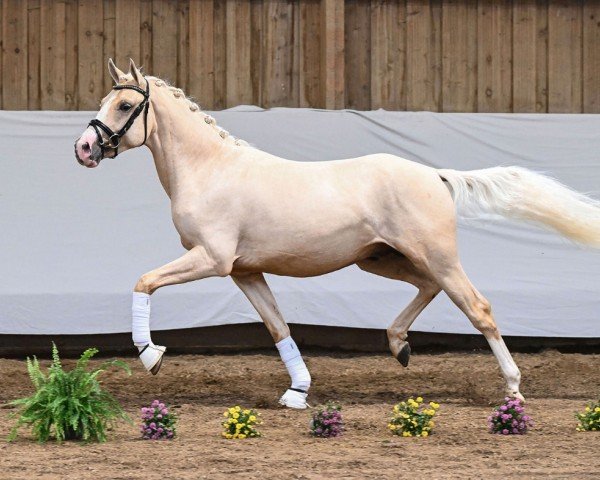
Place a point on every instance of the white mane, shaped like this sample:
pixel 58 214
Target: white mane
pixel 194 107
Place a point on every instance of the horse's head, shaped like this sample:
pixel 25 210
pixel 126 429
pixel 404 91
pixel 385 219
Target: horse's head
pixel 123 121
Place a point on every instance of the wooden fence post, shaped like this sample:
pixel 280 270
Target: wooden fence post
pixel 332 53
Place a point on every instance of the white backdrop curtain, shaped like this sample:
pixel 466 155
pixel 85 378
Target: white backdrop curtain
pixel 73 241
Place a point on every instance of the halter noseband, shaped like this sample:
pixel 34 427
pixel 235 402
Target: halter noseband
pixel 114 138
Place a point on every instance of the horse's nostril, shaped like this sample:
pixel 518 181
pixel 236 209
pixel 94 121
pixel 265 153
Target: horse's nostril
pixel 86 147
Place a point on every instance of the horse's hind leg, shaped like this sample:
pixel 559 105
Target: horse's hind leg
pixel 453 280
pixel 258 292
pixel 396 266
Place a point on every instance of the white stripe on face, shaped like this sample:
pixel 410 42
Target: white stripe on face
pixel 103 113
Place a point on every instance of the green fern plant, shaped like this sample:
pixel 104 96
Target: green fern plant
pixel 68 405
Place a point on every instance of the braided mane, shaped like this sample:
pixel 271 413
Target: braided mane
pixel 194 107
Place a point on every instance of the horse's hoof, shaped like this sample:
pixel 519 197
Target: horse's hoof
pixel 152 356
pixel 516 394
pixel 154 370
pixel 404 355
pixel 294 399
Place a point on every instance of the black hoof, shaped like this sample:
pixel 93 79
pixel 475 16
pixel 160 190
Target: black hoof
pixel 404 355
pixel 156 367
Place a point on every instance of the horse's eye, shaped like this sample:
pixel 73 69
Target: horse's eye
pixel 125 107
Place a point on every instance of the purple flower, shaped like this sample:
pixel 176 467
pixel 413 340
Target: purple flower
pixel 505 432
pixel 504 408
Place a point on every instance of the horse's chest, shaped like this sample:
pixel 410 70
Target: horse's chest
pixel 197 223
pixel 188 222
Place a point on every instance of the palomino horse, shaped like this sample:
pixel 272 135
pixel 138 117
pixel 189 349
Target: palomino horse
pixel 243 212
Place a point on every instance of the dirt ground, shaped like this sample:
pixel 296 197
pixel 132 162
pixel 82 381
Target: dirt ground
pixel 201 386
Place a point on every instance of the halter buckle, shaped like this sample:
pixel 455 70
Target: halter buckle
pixel 115 140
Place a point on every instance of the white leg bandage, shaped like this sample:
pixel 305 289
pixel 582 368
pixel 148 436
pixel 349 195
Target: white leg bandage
pixel 140 319
pixel 150 354
pixel 293 362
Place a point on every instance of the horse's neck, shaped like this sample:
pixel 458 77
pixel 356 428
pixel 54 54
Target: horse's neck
pixel 182 146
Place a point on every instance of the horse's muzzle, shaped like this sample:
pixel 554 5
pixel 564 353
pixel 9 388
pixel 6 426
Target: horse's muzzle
pixel 87 151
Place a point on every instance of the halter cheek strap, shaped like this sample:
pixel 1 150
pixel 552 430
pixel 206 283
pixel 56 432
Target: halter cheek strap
pixel 114 138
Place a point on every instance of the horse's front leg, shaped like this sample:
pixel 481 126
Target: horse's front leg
pixel 194 265
pixel 258 292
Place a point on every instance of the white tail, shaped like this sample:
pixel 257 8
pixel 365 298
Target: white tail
pixel 516 192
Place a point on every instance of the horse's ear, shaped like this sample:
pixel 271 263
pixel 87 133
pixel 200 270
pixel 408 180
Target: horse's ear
pixel 115 73
pixel 135 72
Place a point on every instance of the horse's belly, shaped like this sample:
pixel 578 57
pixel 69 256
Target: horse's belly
pixel 299 258
pixel 290 266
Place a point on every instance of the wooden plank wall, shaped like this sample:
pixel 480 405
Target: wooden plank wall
pixel 438 55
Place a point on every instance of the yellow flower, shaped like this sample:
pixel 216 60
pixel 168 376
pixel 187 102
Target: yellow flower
pixel 424 434
pixel 431 423
pixel 241 435
pixel 246 412
pixel 419 399
pixel 434 405
pixel 236 415
pixel 233 420
pixel 588 409
pixel 597 409
pixel 237 408
pixel 232 410
pixel 228 435
pixel 239 426
pixel 225 414
pixel 252 418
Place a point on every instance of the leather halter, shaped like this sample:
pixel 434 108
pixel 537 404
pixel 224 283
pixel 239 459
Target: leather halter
pixel 114 138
